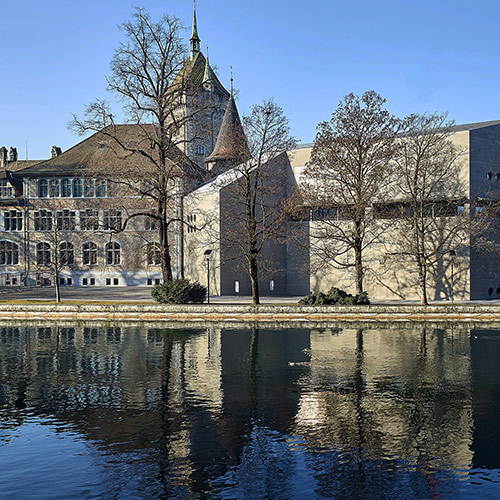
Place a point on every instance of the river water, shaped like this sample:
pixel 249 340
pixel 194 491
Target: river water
pixel 215 412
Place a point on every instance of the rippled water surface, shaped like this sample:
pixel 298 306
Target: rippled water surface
pixel 125 412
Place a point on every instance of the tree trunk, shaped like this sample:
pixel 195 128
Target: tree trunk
pixel 58 290
pixel 359 271
pixel 423 282
pixel 358 257
pixel 254 278
pixel 166 260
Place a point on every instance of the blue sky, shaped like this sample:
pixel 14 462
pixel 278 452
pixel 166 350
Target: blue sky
pixel 421 56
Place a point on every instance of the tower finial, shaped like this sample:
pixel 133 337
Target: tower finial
pixel 195 39
pixel 207 76
pixel 231 81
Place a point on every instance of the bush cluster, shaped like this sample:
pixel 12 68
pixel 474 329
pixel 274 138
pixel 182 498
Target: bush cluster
pixel 180 291
pixel 334 296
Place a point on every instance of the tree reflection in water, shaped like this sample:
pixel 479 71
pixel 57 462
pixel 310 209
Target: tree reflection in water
pixel 220 412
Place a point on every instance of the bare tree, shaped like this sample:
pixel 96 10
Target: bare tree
pixel 257 191
pixel 349 170
pixel 431 219
pixel 148 74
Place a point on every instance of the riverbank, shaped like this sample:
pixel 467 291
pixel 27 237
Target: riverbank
pixel 270 313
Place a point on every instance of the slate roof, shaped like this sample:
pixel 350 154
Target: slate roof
pixel 231 142
pixel 100 152
pixel 194 71
pixel 14 166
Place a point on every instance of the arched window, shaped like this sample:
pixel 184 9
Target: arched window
pixel 43 188
pixel 113 253
pixel 101 188
pixel 66 254
pixel 65 188
pixel 43 254
pixel 153 254
pixel 54 188
pixel 89 253
pixel 9 253
pixel 77 188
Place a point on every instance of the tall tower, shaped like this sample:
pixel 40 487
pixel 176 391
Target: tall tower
pixel 205 104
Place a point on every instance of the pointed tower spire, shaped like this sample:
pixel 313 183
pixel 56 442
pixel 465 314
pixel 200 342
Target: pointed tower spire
pixel 231 81
pixel 207 76
pixel 231 147
pixel 195 39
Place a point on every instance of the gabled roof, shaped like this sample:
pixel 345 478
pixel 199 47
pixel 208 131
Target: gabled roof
pixel 99 152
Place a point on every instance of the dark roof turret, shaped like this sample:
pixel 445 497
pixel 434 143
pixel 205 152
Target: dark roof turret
pixel 231 147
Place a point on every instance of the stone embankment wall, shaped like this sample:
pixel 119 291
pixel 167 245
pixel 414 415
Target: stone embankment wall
pixel 244 313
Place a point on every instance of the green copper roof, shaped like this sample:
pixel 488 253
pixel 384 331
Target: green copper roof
pixel 207 76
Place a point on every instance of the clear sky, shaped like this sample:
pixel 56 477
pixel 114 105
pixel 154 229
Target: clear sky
pixel 421 56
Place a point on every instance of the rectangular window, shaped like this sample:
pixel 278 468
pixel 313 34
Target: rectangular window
pixel 92 281
pixel 115 281
pixel 43 220
pixel 69 281
pixel 66 220
pixel 112 219
pixel 85 282
pixel 89 220
pixel 13 220
pixel 150 281
pixel 108 281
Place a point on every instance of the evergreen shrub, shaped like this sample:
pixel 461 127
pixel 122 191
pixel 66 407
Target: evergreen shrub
pixel 335 296
pixel 179 291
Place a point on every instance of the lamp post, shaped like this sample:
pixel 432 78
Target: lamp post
pixel 207 256
pixel 453 256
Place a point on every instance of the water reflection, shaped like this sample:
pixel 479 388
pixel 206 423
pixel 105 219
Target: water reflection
pixel 214 412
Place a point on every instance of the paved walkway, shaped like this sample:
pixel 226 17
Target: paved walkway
pixel 143 294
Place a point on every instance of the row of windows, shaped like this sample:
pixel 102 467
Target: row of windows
pixel 66 255
pixel 73 188
pixel 9 253
pixel 390 211
pixel 66 220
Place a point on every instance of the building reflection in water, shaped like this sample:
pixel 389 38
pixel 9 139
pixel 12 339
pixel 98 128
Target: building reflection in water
pixel 250 412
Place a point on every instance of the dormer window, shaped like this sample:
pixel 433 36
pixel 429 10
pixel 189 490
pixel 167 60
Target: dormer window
pixel 6 190
pixel 200 149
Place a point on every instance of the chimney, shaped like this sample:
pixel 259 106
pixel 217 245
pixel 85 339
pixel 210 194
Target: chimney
pixel 3 157
pixel 12 154
pixel 56 151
